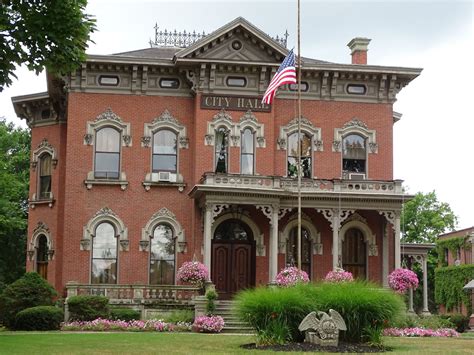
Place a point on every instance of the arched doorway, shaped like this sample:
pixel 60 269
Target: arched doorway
pixel 354 253
pixel 233 258
pixel 292 249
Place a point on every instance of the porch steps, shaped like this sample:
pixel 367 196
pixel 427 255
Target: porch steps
pixel 233 324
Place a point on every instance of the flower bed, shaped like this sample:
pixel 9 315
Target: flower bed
pixel 291 276
pixel 339 275
pixel 420 332
pixel 193 272
pixel 401 280
pixel 99 324
pixel 208 324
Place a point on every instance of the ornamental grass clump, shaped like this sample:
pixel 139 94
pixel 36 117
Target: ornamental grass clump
pixel 208 324
pixel 400 280
pixel 339 275
pixel 291 276
pixel 193 272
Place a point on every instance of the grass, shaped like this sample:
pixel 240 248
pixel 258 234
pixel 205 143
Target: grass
pixel 187 343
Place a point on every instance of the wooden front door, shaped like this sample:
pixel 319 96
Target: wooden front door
pixel 233 258
pixel 354 253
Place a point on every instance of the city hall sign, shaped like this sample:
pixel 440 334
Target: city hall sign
pixel 235 103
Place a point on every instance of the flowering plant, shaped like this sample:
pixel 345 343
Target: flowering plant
pixel 401 280
pixel 420 332
pixel 291 276
pixel 339 275
pixel 208 324
pixel 193 272
pixel 119 325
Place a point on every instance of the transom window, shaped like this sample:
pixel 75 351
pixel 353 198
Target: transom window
pixel 222 150
pixel 165 156
pixel 162 256
pixel 305 146
pixel 104 254
pixel 44 185
pixel 354 154
pixel 42 257
pixel 107 154
pixel 292 250
pixel 247 152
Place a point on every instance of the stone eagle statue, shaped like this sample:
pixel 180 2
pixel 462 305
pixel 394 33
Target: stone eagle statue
pixel 323 330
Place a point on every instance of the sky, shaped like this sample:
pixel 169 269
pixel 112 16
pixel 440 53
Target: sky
pixel 433 144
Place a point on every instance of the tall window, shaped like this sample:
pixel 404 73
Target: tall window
pixel 165 151
pixel 247 152
pixel 42 257
pixel 104 255
pixel 107 153
pixel 162 256
pixel 305 146
pixel 292 250
pixel 354 154
pixel 222 150
pixel 45 176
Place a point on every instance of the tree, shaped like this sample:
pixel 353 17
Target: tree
pixel 43 33
pixel 14 181
pixel 424 218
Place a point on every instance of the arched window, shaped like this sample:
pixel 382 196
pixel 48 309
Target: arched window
pixel 42 257
pixel 165 151
pixel 222 150
pixel 247 152
pixel 354 154
pixel 44 184
pixel 305 146
pixel 104 254
pixel 354 253
pixel 107 154
pixel 162 256
pixel 292 249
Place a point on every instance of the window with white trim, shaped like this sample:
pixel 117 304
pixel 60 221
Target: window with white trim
pixel 247 152
pixel 162 256
pixel 354 154
pixel 165 153
pixel 44 176
pixel 107 154
pixel 222 150
pixel 104 254
pixel 305 147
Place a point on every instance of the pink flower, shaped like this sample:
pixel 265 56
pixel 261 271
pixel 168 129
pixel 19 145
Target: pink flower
pixel 193 272
pixel 208 324
pixel 401 280
pixel 291 276
pixel 119 325
pixel 420 332
pixel 339 275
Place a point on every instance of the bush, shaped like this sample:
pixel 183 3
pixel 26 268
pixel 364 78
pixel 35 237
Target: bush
pixel 460 321
pixel 30 290
pixel 429 322
pixel 88 308
pixel 276 313
pixel 39 318
pixel 208 324
pixel 180 316
pixel 211 296
pixel 125 314
pixel 291 276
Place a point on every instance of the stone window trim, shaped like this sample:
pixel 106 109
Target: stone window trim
pixel 235 129
pixel 165 121
pixel 163 216
pixel 44 148
pixel 107 119
pixel 359 222
pixel 40 229
pixel 306 127
pixel 306 223
pixel 355 126
pixel 105 214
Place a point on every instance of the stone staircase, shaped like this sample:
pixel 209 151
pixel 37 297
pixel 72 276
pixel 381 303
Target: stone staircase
pixel 233 325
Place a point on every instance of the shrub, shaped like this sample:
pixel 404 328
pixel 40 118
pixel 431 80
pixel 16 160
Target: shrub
pixel 339 275
pixel 429 322
pixel 366 309
pixel 208 324
pixel 180 316
pixel 88 308
pixel 211 296
pixel 401 280
pixel 126 314
pixel 193 272
pixel 39 318
pixel 291 276
pixel 460 321
pixel 30 290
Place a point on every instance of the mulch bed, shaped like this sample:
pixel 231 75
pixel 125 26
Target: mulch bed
pixel 341 348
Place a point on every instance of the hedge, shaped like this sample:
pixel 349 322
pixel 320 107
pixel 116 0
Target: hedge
pixel 449 283
pixel 39 318
pixel 87 308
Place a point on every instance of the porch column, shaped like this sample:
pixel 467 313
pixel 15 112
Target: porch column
pixel 335 240
pixel 274 245
pixel 385 255
pixel 410 301
pixel 425 311
pixel 207 235
pixel 397 240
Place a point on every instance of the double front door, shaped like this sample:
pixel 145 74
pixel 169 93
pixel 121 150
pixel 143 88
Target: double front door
pixel 233 258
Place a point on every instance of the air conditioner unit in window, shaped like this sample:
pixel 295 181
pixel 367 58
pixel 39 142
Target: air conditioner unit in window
pixel 356 176
pixel 166 176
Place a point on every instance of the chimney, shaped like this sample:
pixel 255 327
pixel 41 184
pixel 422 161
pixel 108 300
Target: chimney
pixel 358 47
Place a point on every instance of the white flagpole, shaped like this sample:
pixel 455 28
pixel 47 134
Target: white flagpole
pixel 299 142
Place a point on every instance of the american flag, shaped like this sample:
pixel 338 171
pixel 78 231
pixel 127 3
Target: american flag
pixel 286 74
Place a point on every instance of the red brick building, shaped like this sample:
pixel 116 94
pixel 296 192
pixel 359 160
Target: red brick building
pixel 146 159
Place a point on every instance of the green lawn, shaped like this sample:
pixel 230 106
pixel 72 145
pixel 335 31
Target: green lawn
pixel 185 343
